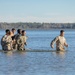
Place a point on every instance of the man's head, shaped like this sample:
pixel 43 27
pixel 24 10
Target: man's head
pixel 19 31
pixel 7 32
pixel 62 33
pixel 23 32
pixel 13 30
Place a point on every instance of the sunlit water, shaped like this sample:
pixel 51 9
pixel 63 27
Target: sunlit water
pixel 40 63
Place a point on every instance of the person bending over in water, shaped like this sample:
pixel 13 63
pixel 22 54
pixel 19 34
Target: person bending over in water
pixel 22 41
pixel 60 42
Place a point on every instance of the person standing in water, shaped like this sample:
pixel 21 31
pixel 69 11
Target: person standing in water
pixel 60 42
pixel 6 41
pixel 12 33
pixel 16 37
pixel 22 41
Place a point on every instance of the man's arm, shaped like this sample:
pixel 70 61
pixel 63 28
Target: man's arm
pixel 19 41
pixel 53 42
pixel 65 44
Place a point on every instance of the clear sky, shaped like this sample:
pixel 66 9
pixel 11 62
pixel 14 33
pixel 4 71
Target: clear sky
pixel 52 11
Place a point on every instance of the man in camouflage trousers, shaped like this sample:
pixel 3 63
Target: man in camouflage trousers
pixel 22 41
pixel 60 42
pixel 6 41
pixel 16 37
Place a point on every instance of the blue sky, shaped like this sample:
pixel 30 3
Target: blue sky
pixel 52 11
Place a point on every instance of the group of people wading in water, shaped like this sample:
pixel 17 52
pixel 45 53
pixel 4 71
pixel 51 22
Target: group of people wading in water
pixel 11 41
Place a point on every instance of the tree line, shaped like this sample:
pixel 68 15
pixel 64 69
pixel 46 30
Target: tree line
pixel 29 25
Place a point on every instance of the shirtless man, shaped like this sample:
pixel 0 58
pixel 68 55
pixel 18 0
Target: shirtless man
pixel 12 34
pixel 13 31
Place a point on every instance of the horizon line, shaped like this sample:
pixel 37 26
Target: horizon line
pixel 37 22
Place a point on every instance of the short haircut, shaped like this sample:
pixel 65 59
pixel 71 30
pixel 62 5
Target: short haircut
pixel 61 31
pixel 18 31
pixel 13 29
pixel 23 31
pixel 7 30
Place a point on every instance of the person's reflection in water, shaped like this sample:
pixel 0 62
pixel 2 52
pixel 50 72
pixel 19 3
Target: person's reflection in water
pixel 59 54
pixel 9 53
pixel 22 52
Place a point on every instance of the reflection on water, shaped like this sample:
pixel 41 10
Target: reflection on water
pixel 60 54
pixel 9 53
pixel 40 63
pixel 34 63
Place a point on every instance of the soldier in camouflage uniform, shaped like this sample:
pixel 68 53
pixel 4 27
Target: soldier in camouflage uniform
pixel 60 42
pixel 22 41
pixel 16 37
pixel 6 41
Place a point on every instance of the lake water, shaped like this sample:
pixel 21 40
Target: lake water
pixel 40 63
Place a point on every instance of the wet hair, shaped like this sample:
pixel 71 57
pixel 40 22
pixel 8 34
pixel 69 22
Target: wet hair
pixel 7 30
pixel 19 31
pixel 13 29
pixel 61 31
pixel 23 31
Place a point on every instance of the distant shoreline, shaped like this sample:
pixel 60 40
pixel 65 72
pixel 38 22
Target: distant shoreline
pixel 37 26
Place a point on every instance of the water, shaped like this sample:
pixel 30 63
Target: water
pixel 40 63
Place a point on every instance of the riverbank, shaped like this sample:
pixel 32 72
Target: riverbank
pixel 37 26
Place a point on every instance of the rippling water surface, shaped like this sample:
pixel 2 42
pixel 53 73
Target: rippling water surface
pixel 40 63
